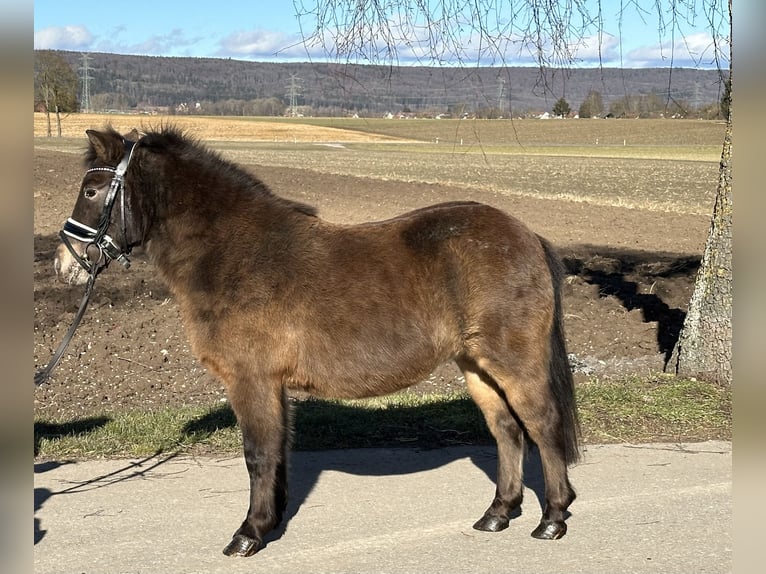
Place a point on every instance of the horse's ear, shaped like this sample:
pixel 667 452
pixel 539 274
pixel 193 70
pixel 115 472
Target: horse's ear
pixel 98 143
pixel 107 146
pixel 132 136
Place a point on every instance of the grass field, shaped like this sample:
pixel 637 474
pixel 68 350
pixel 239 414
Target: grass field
pixel 667 165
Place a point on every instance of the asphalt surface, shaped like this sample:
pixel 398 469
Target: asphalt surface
pixel 640 508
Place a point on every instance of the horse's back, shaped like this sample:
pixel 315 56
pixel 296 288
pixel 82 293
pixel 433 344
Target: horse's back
pixel 492 265
pixel 399 297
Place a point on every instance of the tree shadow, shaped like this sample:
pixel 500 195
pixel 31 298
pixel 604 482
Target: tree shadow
pixel 427 429
pixel 129 471
pixel 624 273
pixel 54 431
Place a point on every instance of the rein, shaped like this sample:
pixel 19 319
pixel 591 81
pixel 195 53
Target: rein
pixel 107 250
pixel 42 375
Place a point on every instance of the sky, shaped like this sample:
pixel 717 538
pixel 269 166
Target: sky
pixel 257 30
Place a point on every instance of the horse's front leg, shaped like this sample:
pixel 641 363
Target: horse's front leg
pixel 264 421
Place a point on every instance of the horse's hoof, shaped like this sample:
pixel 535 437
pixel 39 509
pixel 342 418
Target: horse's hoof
pixel 241 545
pixel 490 523
pixel 548 530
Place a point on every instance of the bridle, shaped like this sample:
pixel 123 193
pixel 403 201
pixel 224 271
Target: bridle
pixel 108 250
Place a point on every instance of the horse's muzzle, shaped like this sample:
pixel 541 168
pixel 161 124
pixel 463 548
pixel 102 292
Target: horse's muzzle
pixel 68 269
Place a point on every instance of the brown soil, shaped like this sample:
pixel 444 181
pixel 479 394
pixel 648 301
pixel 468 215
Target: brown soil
pixel 631 276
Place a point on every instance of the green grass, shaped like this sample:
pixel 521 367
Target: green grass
pixel 660 409
pixel 657 409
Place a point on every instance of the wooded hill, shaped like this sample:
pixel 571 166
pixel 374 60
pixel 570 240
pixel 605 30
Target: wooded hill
pixel 122 82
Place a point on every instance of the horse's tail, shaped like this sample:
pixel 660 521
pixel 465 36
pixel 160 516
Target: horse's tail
pixel 559 370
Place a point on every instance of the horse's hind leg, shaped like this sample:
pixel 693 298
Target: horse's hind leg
pixel 510 447
pixel 530 398
pixel 263 416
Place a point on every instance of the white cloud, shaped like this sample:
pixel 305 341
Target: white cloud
pixel 173 42
pixel 595 49
pixel 261 43
pixel 63 38
pixel 408 45
pixel 693 50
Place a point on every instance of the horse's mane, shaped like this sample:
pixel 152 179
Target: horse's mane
pixel 173 140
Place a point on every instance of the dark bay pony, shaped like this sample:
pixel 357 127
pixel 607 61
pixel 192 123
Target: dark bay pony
pixel 274 298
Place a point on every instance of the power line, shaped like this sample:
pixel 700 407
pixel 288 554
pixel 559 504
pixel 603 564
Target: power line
pixel 293 93
pixel 85 79
pixel 500 94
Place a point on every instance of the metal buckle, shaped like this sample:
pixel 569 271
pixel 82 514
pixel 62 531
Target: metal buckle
pixel 112 251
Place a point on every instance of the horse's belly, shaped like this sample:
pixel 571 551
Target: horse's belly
pixel 372 372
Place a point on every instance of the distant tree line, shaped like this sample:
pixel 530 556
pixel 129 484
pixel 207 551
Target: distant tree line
pixel 232 107
pixel 651 105
pixel 236 88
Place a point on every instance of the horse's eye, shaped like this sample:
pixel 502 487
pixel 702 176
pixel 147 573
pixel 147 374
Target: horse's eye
pixel 90 193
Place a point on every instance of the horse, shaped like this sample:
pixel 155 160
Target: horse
pixel 273 298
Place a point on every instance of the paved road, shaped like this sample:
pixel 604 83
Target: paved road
pixel 641 508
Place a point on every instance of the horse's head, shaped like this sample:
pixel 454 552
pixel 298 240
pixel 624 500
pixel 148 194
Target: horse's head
pixel 99 229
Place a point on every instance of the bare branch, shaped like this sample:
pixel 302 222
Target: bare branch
pixel 548 33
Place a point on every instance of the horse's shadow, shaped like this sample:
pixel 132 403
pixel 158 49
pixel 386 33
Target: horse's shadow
pixel 304 479
pixel 303 476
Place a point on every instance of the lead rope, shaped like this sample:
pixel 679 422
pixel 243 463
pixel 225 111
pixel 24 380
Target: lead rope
pixel 117 186
pixel 42 375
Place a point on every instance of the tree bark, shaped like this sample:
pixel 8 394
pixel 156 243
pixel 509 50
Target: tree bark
pixel 704 347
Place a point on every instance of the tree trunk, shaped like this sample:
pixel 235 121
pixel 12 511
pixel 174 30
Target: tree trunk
pixel 47 110
pixel 704 346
